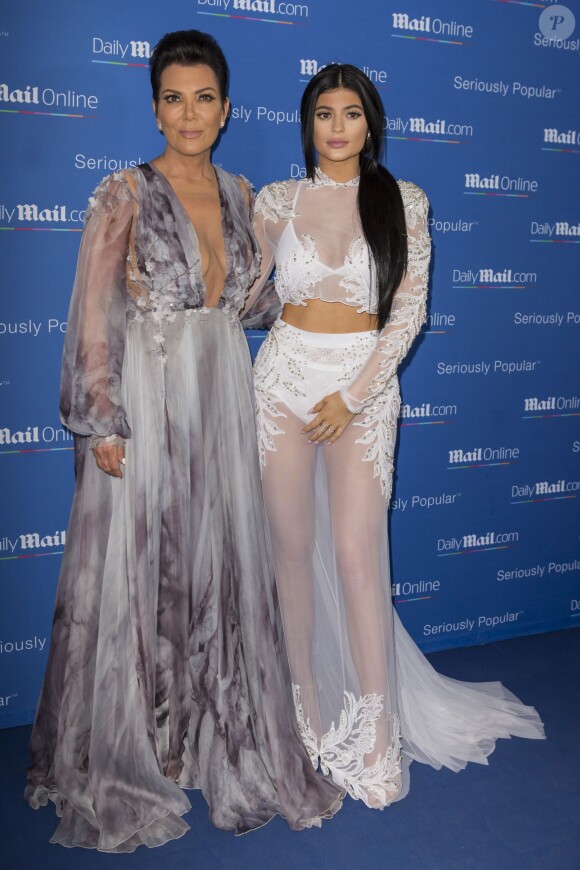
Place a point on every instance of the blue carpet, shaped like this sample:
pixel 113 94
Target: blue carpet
pixel 522 811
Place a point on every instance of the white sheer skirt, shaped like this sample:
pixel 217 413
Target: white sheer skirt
pixel 367 701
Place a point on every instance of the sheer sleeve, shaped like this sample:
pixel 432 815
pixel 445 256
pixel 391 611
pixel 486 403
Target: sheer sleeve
pixel 262 305
pixel 90 393
pixel 408 313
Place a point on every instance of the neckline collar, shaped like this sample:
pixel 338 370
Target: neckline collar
pixel 322 180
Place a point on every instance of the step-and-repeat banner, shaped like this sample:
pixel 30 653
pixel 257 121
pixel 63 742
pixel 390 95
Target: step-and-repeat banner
pixel 482 112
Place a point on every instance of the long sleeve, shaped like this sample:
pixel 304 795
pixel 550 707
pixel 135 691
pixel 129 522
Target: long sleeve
pixel 90 396
pixel 408 313
pixel 262 305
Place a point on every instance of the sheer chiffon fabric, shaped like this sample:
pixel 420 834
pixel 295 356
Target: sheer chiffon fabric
pixel 167 667
pixel 367 700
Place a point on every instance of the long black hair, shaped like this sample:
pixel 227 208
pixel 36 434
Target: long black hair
pixel 380 204
pixel 188 48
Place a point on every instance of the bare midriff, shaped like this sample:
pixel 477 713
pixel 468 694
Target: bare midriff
pixel 319 316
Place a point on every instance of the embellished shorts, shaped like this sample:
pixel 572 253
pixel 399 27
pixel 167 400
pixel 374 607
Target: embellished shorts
pixel 296 368
pixel 299 368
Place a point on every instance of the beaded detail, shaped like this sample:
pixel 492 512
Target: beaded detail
pixel 380 422
pixel 408 312
pixel 314 229
pixel 322 180
pixel 367 382
pixel 275 203
pixel 300 272
pixel 358 278
pixel 341 750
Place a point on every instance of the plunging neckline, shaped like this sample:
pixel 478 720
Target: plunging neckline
pixel 220 300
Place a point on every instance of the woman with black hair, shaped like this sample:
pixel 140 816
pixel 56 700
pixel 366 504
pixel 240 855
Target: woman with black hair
pixel 351 249
pixel 167 667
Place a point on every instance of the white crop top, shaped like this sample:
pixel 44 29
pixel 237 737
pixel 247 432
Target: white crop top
pixel 311 232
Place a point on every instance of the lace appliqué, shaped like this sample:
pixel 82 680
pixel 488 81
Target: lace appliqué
pixel 358 278
pixel 414 202
pixel 409 310
pixel 111 190
pixel 407 316
pixel 380 421
pixel 281 374
pixel 341 751
pixel 299 273
pixel 274 202
pixel 266 378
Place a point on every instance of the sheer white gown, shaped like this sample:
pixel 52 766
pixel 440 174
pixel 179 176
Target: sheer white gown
pixel 367 701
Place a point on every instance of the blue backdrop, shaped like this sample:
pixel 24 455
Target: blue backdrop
pixel 482 103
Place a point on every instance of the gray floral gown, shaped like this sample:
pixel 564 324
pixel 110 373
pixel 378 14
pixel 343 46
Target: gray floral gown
pixel 167 666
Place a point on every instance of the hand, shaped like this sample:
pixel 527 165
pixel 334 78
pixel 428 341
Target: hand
pixel 332 418
pixel 110 458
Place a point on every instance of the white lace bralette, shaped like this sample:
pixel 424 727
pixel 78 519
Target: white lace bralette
pixel 314 232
